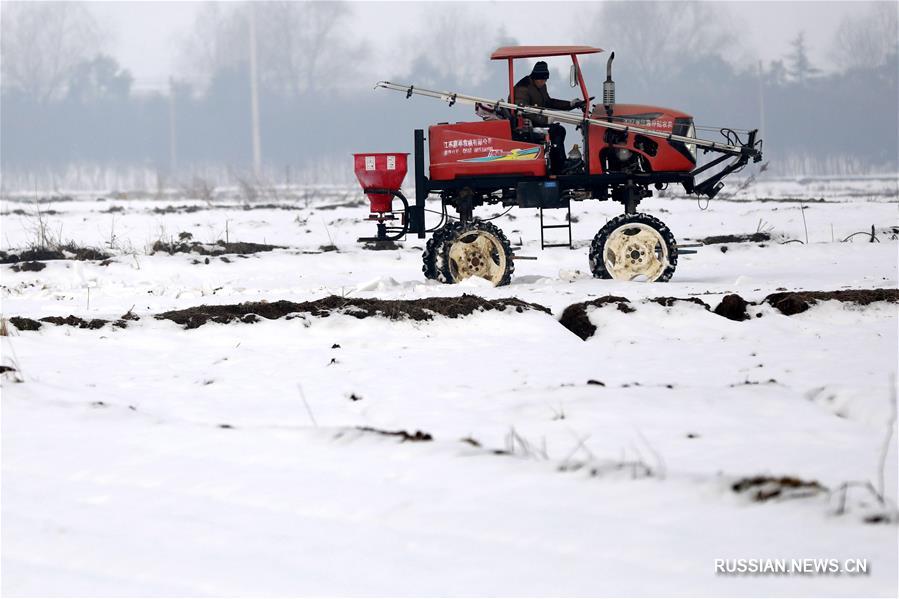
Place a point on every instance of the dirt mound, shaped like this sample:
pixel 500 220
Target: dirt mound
pixel 190 209
pixel 404 436
pixel 763 488
pixel 351 204
pixel 263 207
pixel 29 267
pixel 25 324
pixel 669 302
pixel 795 302
pixel 757 237
pixel 419 310
pixel 30 255
pixel 575 318
pixel 74 321
pixel 74 252
pixel 29 324
pixel 191 318
pixel 381 245
pixel 788 200
pixel 69 251
pixel 733 307
pixel 212 249
pixel 176 209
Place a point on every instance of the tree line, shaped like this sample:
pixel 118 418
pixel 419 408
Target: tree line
pixel 64 102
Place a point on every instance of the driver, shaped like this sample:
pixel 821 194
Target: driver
pixel 531 91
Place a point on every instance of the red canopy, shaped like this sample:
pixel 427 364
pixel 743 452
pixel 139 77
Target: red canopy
pixel 536 51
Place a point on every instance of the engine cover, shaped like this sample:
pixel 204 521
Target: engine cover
pixel 655 154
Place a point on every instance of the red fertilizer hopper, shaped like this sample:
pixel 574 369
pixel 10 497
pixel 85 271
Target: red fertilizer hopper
pixel 380 171
pixel 381 175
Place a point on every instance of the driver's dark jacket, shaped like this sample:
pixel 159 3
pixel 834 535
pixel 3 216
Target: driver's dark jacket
pixel 528 94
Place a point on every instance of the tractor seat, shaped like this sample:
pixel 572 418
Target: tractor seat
pixel 531 135
pixel 490 113
pixel 521 129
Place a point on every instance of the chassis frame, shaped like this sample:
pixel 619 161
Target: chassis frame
pixel 465 194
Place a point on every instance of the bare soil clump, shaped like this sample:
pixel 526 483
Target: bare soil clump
pixel 264 207
pixel 176 209
pixel 763 488
pixel 575 318
pixel 25 324
pixel 669 302
pixel 757 237
pixel 796 302
pixel 68 251
pixel 219 248
pixel 190 209
pixel 404 436
pixel 30 255
pixel 74 321
pixel 381 245
pixel 418 310
pixel 29 324
pixel 29 267
pixel 76 252
pixel 791 200
pixel 733 307
pixel 350 204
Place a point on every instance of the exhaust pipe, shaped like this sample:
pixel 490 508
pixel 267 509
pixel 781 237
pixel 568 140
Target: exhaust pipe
pixel 608 87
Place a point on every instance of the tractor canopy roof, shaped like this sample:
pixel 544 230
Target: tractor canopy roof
pixel 537 51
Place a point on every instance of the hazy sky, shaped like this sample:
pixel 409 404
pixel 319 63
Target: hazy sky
pixel 146 35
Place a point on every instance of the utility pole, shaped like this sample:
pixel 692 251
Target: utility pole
pixel 254 95
pixel 763 132
pixel 761 101
pixel 173 156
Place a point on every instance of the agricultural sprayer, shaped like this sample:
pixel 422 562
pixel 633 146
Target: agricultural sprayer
pixel 503 159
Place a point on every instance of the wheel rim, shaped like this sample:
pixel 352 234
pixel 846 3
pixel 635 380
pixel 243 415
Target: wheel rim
pixel 635 250
pixel 477 254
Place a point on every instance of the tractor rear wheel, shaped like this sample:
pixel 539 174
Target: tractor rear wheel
pixel 634 246
pixel 474 249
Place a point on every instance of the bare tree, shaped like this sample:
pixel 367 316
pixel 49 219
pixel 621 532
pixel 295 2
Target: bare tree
pixel 299 43
pixel 799 66
pixel 100 78
pixel 305 44
pixel 218 41
pixel 867 39
pixel 43 43
pixel 456 44
pixel 659 38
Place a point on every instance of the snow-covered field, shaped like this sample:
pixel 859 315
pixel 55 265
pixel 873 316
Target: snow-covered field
pixel 246 458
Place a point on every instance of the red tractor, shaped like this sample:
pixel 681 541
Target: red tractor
pixel 502 159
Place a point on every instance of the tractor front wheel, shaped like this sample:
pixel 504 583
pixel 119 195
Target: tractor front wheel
pixel 634 247
pixel 474 249
pixel 432 248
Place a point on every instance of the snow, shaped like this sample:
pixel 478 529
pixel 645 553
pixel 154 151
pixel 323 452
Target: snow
pixel 227 459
